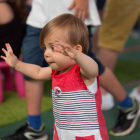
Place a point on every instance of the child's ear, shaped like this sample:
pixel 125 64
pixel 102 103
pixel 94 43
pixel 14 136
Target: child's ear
pixel 78 47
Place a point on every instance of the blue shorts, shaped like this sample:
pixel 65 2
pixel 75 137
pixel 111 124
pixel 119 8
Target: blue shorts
pixel 33 54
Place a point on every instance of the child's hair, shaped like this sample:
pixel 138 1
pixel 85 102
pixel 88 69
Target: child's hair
pixel 76 31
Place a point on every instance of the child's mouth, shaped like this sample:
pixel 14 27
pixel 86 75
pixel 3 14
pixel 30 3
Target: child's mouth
pixel 51 62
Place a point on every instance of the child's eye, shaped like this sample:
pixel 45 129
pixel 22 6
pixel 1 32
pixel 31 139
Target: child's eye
pixel 52 48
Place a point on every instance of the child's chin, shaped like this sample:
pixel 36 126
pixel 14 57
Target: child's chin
pixel 55 67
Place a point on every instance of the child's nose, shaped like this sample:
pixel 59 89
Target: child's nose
pixel 47 53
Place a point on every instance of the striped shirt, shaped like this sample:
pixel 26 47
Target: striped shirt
pixel 74 106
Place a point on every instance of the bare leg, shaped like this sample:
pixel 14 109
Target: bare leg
pixel 34 91
pixel 108 58
pixel 112 85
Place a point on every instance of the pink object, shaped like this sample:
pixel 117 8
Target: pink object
pixel 9 86
pixel 19 82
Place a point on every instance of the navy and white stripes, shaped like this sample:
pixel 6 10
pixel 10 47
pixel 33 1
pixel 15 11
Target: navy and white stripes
pixel 75 110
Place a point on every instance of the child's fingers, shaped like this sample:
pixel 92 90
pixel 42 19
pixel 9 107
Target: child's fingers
pixel 63 45
pixel 2 57
pixel 58 50
pixel 6 53
pixel 58 42
pixel 71 55
pixel 9 48
pixel 68 47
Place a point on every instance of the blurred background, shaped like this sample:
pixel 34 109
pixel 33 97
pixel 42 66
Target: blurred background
pixel 13 111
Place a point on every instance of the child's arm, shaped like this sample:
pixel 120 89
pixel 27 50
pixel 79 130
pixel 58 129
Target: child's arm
pixel 89 67
pixel 31 70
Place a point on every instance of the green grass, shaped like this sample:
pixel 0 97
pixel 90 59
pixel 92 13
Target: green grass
pixel 14 108
pixel 127 71
pixel 132 41
pixel 132 57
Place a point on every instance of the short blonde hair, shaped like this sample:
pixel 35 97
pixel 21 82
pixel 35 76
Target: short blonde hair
pixel 76 30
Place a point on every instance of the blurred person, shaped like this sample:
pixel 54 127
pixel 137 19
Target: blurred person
pixel 42 13
pixel 76 100
pixel 13 14
pixel 114 32
pixel 115 29
pixel 107 98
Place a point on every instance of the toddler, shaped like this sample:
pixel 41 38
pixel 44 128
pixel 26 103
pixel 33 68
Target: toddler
pixel 75 82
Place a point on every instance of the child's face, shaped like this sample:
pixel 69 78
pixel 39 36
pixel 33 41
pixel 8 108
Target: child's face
pixel 56 60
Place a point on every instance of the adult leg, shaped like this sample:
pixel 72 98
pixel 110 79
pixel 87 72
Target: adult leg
pixel 115 29
pixel 34 91
pixel 112 85
pixel 107 99
pixel 127 105
pixel 110 62
pixel 112 37
pixel 108 58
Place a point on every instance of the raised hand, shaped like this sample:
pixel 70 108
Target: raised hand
pixel 9 57
pixel 65 49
